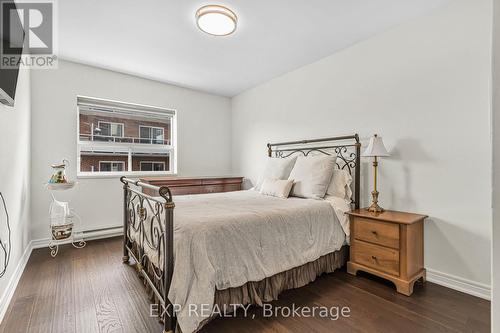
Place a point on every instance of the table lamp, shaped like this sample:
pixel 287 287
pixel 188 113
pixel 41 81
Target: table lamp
pixel 375 149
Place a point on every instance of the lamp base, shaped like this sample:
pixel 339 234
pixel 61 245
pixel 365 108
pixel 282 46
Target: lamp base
pixel 374 207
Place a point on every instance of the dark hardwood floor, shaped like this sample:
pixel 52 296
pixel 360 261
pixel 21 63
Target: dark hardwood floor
pixel 90 290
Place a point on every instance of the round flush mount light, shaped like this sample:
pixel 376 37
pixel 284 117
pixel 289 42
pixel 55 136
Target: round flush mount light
pixel 216 20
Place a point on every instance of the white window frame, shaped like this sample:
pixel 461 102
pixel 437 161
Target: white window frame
pixel 169 150
pixel 112 123
pixel 111 162
pixel 152 162
pixel 151 132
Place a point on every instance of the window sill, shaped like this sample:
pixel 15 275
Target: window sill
pixel 133 174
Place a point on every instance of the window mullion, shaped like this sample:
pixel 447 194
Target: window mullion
pixel 129 168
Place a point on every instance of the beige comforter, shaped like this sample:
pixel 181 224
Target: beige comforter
pixel 225 240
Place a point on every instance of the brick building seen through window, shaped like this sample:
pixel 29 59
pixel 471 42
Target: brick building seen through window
pixel 114 138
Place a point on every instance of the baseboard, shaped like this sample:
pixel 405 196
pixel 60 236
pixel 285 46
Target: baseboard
pixel 460 284
pixel 87 235
pixel 6 297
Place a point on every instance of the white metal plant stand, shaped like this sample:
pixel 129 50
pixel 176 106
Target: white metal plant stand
pixel 63 226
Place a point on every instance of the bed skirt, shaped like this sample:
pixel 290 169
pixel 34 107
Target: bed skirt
pixel 268 289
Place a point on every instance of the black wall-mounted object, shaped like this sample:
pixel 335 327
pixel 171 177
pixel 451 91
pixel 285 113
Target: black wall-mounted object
pixel 12 34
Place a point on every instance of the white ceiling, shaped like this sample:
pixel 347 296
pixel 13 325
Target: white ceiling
pixel 159 39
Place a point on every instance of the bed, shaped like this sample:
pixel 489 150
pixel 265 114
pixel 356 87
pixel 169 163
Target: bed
pixel 238 247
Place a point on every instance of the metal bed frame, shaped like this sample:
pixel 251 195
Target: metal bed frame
pixel 152 220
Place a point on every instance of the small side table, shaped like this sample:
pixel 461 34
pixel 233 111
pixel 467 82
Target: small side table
pixel 64 233
pixel 390 245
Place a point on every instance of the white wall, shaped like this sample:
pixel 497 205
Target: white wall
pixel 15 135
pixel 424 87
pixel 204 136
pixel 495 305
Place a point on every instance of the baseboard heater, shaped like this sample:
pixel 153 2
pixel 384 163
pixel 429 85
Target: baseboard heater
pixel 102 233
pixel 88 235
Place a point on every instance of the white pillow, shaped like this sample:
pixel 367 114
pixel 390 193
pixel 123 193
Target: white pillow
pixel 276 168
pixel 340 185
pixel 312 176
pixel 276 187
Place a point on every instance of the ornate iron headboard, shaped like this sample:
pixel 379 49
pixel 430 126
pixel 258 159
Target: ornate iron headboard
pixel 347 148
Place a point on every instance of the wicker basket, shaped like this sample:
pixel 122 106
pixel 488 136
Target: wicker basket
pixel 63 231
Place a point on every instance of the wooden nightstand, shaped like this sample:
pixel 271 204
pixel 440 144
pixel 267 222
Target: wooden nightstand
pixel 388 244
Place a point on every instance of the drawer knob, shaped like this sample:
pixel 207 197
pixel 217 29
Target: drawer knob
pixel 374 232
pixel 374 258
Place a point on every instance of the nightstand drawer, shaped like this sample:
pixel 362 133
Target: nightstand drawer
pixel 377 257
pixel 383 233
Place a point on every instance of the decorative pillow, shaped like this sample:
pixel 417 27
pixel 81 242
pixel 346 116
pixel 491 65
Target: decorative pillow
pixel 276 168
pixel 312 175
pixel 276 187
pixel 340 185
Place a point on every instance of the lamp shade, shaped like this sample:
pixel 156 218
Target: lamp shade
pixel 375 148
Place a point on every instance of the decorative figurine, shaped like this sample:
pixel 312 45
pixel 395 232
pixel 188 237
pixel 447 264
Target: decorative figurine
pixel 59 175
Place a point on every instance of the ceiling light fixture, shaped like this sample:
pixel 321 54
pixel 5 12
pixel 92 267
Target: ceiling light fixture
pixel 216 20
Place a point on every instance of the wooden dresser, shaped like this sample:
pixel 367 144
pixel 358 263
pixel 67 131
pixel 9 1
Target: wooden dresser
pixel 194 185
pixel 388 244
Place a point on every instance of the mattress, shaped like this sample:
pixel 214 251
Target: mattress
pixel 225 240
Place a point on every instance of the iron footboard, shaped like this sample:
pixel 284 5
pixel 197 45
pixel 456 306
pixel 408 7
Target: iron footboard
pixel 148 226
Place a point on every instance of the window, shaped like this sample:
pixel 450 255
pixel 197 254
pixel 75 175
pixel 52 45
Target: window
pixel 110 129
pixel 111 166
pixel 125 139
pixel 152 166
pixel 153 135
